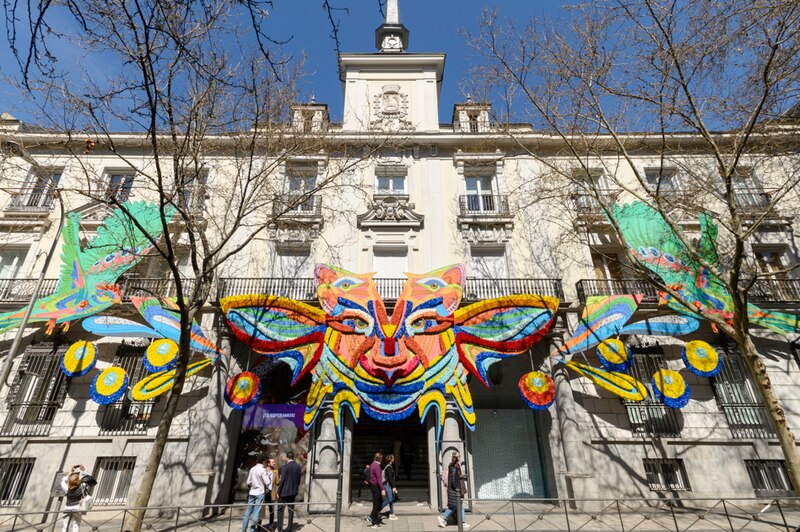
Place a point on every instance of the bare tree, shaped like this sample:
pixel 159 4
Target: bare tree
pixel 675 104
pixel 208 102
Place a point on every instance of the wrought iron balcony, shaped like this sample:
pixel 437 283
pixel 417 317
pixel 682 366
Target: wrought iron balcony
pixel 753 201
pixel 20 290
pixel 652 419
pixel 304 289
pixel 587 206
pixel 748 421
pixel 775 291
pixel 479 205
pixel 30 201
pixel 30 419
pixel 297 206
pixel 152 286
pixel 614 287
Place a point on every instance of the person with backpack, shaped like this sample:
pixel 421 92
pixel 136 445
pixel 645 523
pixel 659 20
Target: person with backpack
pixel 389 487
pixel 455 482
pixel 75 486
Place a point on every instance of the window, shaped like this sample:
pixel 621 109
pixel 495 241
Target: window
pixel 479 181
pixel 748 194
pixel 769 477
pixel 607 265
pixel 37 392
pixel 14 476
pixel 194 189
pixel 11 260
pixel 390 263
pixel 488 264
pixel 473 117
pixel 38 193
pixel 650 417
pixel 119 186
pixel 125 416
pixel 777 286
pixel 301 180
pixel 737 397
pixel 663 180
pixel 666 475
pixel 114 474
pixel 292 263
pixel 391 179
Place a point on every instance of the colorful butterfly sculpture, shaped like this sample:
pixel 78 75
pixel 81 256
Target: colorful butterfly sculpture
pixel 656 246
pixel 86 284
pixel 359 356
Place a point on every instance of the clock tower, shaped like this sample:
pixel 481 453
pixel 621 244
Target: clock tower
pixel 391 36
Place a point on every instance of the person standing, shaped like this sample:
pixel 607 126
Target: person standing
pixel 456 481
pixel 257 481
pixel 271 495
pixel 376 487
pixel 288 487
pixel 389 486
pixel 75 489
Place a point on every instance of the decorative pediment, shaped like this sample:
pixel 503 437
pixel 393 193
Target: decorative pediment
pixel 294 234
pixel 390 210
pixel 487 234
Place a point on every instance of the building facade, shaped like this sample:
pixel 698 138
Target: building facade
pixel 437 194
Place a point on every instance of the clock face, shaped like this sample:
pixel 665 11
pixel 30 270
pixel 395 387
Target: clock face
pixel 391 41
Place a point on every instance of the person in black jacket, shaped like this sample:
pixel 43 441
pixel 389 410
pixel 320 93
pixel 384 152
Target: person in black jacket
pixel 389 478
pixel 288 487
pixel 456 481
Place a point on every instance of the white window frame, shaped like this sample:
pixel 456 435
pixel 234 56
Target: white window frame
pixel 378 250
pixel 128 176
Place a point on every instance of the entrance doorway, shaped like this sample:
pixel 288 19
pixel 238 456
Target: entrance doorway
pixel 407 440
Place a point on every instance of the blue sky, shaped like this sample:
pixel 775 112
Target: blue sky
pixel 434 25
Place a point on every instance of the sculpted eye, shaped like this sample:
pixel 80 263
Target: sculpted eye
pixel 433 283
pixel 360 324
pixel 419 323
pixel 346 283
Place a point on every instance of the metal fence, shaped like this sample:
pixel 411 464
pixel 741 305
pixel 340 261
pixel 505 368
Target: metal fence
pixel 518 515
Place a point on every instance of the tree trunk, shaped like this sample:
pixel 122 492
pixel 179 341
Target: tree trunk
pixel 774 410
pixel 134 519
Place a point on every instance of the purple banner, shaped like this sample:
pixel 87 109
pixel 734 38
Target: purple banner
pixel 261 416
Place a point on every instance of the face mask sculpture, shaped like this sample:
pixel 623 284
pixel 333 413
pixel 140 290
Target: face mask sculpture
pixel 391 366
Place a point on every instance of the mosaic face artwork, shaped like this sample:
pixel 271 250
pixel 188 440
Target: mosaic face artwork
pixel 391 366
pixel 86 283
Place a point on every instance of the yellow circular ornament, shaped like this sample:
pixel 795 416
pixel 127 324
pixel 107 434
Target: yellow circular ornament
pixel 79 359
pixel 160 355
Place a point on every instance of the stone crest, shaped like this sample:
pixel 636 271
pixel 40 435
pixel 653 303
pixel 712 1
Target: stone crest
pixel 390 109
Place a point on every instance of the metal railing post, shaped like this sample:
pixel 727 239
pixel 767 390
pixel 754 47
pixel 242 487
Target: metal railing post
pixel 459 509
pixel 727 516
pixel 619 513
pixel 674 519
pixel 566 514
pixel 783 517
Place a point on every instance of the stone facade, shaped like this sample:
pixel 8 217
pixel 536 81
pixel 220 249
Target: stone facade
pixel 460 194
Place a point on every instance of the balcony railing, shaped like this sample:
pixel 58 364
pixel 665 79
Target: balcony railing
pixel 20 290
pixel 775 291
pixel 483 205
pixel 587 205
pixel 752 200
pixel 149 286
pixel 648 419
pixel 296 205
pixel 614 287
pixel 31 201
pixel 30 419
pixel 748 421
pixel 124 417
pixel 390 288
